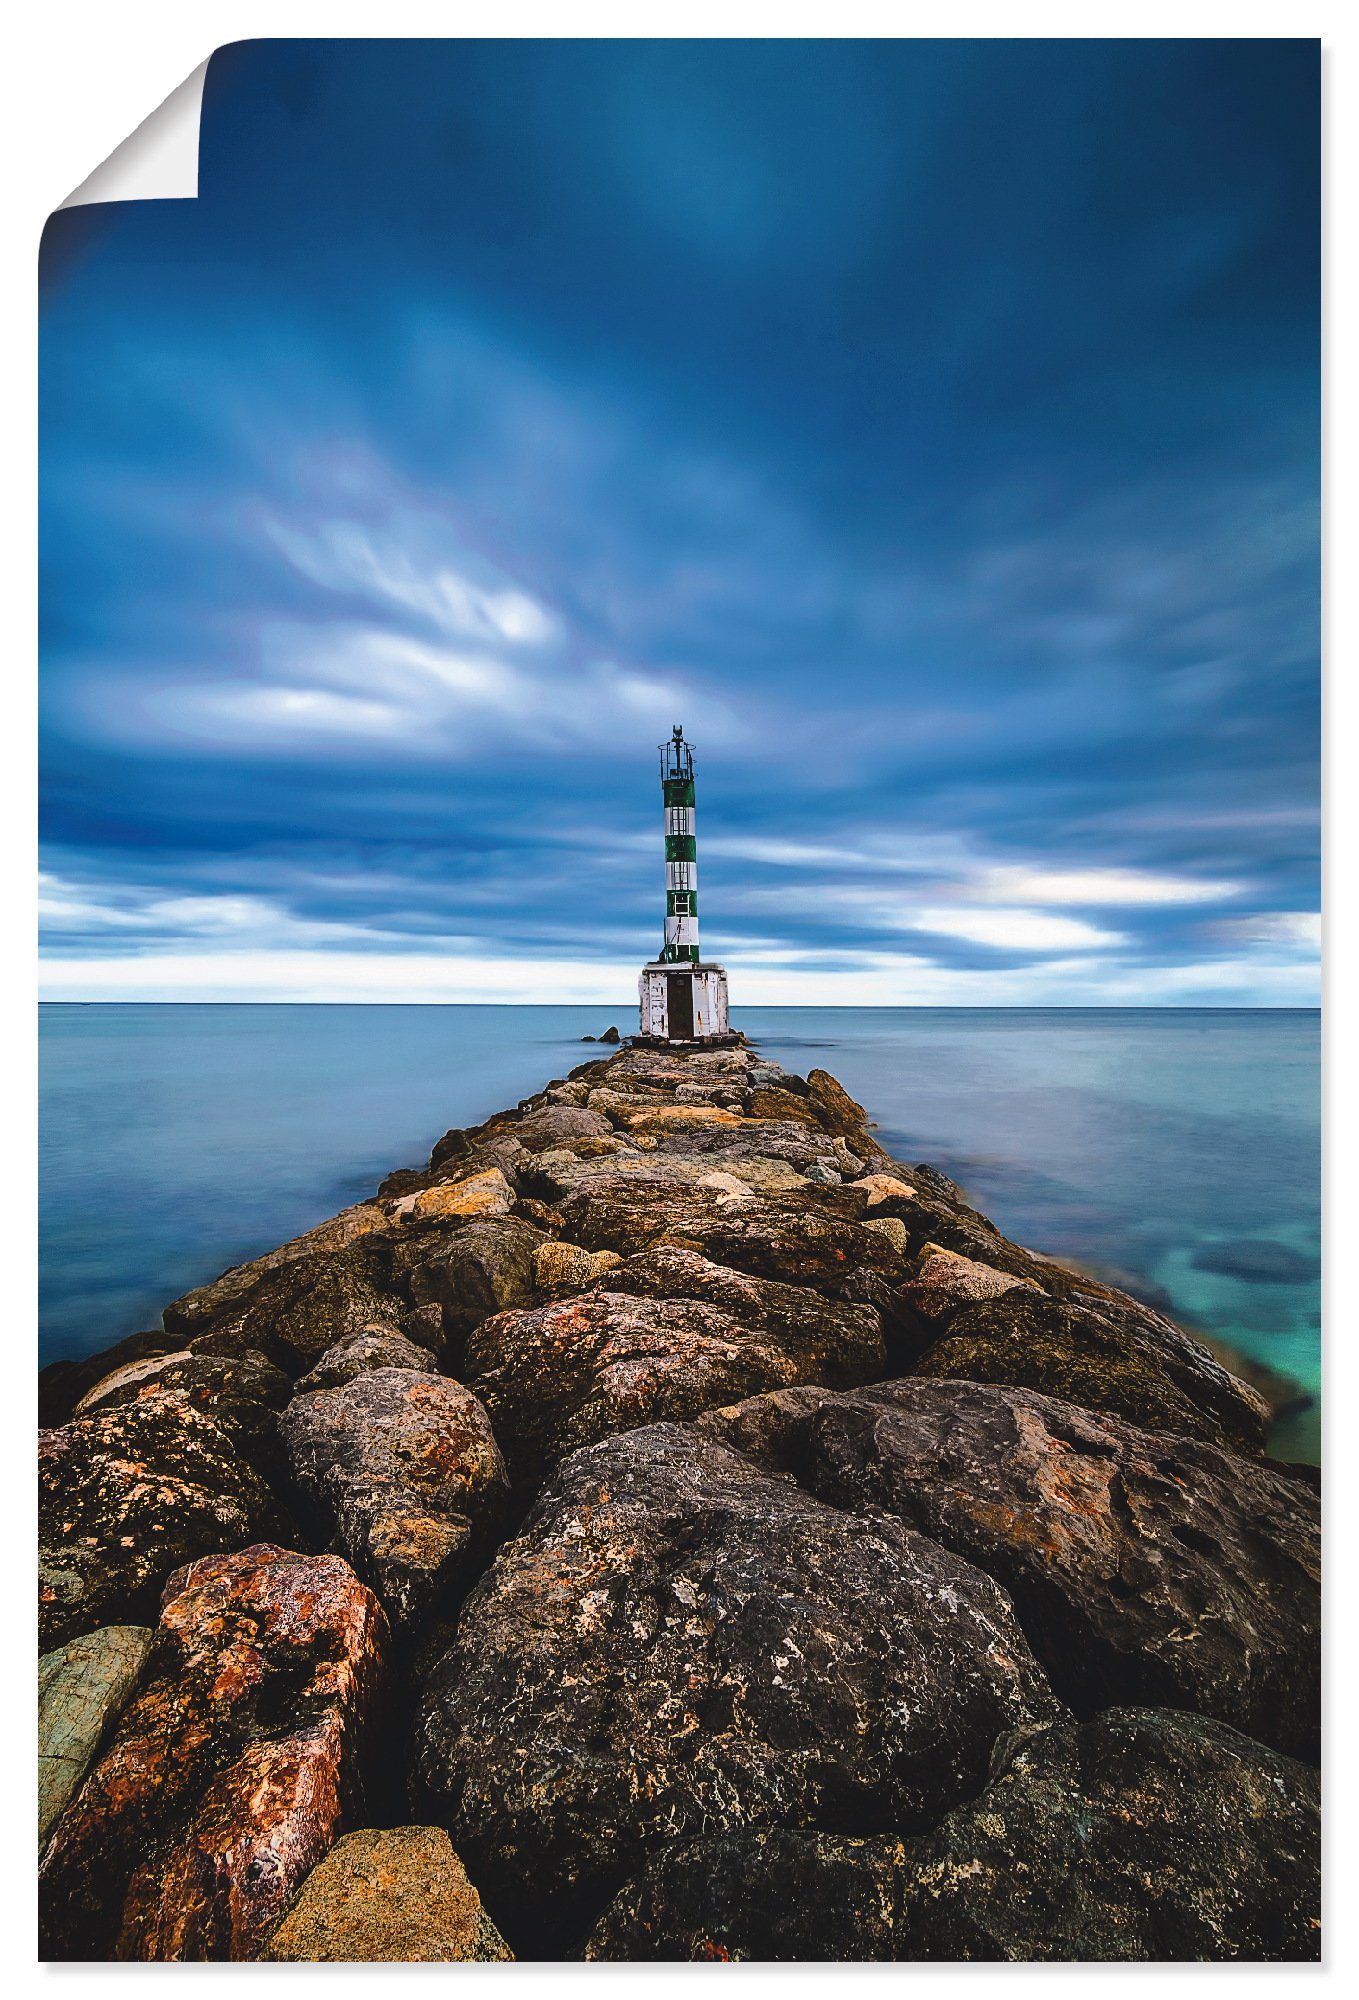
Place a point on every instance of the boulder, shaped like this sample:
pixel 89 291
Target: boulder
pixel 768 1101
pixel 794 1238
pixel 553 1124
pixel 942 1283
pixel 232 1771
pixel 297 1309
pixel 656 1340
pixel 484 1193
pixel 565 1267
pixel 1144 1568
pixel 1143 1834
pixel 128 1494
pixel 403 1467
pixel 472 1271
pixel 83 1688
pixel 1104 1355
pixel 241 1392
pixel 196 1310
pixel 61 1384
pixel 394 1895
pixel 360 1353
pixel 767 1894
pixel 834 1107
pixel 677 1643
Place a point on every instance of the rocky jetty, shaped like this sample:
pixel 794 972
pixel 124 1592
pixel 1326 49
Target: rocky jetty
pixel 665 1526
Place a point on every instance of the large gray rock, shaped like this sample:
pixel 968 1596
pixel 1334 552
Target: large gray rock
pixel 1143 1834
pixel 83 1687
pixel 678 1643
pixel 472 1271
pixel 405 1470
pixel 1144 1568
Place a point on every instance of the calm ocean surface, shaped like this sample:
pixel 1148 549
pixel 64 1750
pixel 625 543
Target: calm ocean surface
pixel 1177 1152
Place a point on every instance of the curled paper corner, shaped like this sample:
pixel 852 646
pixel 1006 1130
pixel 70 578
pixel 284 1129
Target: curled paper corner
pixel 157 162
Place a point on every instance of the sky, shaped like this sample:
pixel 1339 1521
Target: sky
pixel 930 427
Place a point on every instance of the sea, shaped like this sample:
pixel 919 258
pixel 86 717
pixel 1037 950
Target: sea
pixel 1173 1151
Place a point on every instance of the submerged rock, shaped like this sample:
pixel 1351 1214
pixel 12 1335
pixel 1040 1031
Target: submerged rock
pixel 678 1643
pixel 231 1773
pixel 1143 1834
pixel 403 1466
pixel 395 1896
pixel 128 1494
pixel 83 1687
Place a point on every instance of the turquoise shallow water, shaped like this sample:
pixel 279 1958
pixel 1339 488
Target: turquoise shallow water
pixel 1175 1150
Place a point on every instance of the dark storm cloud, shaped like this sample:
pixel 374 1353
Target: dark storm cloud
pixel 930 426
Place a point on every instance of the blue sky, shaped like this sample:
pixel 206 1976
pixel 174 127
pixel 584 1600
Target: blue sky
pixel 931 427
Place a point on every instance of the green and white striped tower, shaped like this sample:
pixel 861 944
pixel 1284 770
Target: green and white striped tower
pixel 681 855
pixel 682 1000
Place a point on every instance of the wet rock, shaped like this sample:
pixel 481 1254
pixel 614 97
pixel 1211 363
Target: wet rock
pixel 565 1267
pixel 473 1271
pixel 1144 1568
pixel 396 1895
pixel 405 1468
pixel 792 1238
pixel 232 1771
pixel 1105 1356
pixel 128 1494
pixel 657 1340
pixel 454 1144
pixel 1143 1834
pixel 678 1643
pixel 359 1354
pixel 83 1688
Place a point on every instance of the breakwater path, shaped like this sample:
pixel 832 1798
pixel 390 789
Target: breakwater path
pixel 666 1526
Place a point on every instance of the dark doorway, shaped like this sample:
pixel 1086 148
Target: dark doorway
pixel 679 1006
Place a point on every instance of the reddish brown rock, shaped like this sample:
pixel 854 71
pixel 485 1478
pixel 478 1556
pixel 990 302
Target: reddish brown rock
pixel 404 1469
pixel 231 1773
pixel 128 1494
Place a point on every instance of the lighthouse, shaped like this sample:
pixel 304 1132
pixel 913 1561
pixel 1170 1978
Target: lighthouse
pixel 682 999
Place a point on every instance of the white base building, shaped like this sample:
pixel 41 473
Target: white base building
pixel 683 1003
